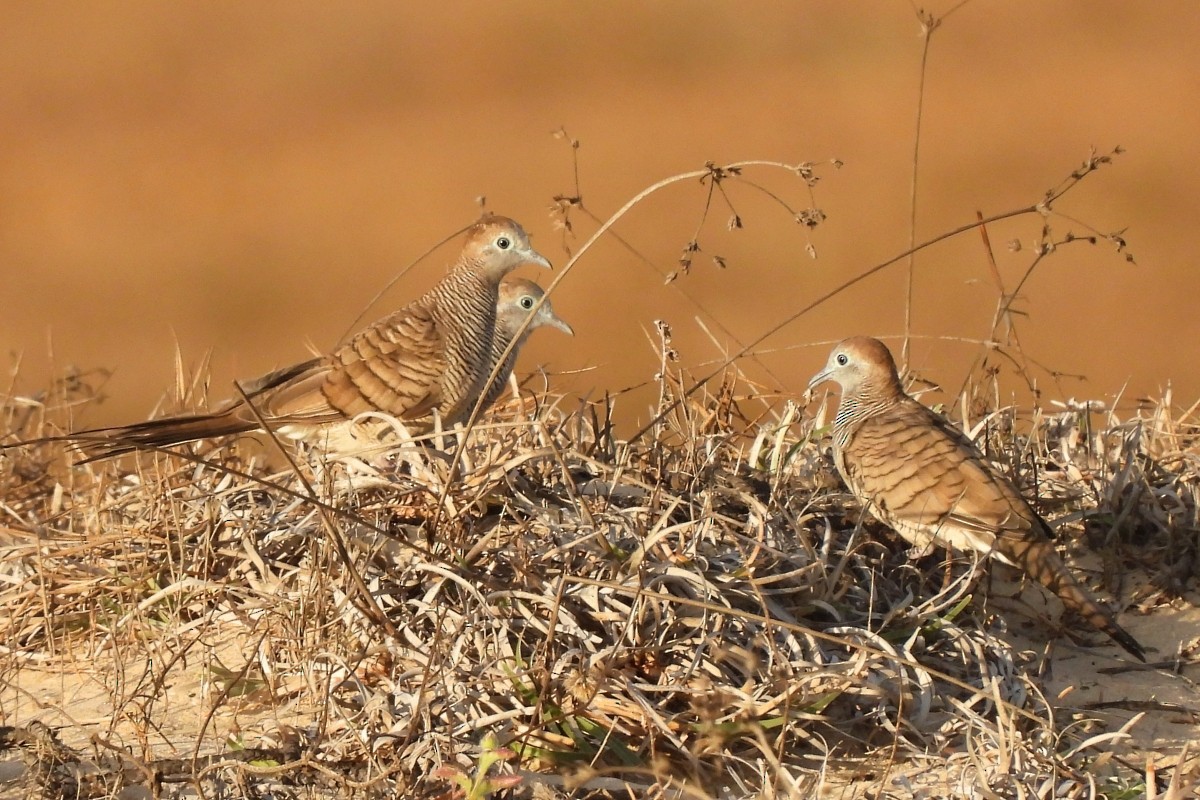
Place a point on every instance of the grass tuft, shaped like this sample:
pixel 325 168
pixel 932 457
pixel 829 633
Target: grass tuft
pixel 702 612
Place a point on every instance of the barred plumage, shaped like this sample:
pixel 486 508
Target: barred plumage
pixel 926 480
pixel 518 297
pixel 434 355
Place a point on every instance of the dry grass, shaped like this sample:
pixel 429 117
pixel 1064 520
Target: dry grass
pixel 537 608
pixel 702 612
pixel 546 611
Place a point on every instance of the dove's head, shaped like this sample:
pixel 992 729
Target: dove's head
pixel 860 365
pixel 498 245
pixel 518 297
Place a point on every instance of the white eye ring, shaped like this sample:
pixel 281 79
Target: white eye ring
pixel 527 302
pixel 842 360
pixel 504 243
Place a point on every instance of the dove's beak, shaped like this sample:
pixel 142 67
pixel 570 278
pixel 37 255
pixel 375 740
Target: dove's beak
pixel 818 379
pixel 556 322
pixel 534 257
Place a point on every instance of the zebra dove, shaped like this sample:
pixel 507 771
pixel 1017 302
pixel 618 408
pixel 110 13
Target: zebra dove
pixel 518 296
pixel 927 481
pixel 433 355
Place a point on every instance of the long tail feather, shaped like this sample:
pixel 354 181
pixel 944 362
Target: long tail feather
pixel 1042 562
pixel 110 442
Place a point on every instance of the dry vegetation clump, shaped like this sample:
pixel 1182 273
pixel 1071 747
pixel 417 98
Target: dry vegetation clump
pixel 551 612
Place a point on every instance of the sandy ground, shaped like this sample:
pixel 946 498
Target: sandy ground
pixel 79 699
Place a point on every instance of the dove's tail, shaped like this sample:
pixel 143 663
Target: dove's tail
pixel 109 442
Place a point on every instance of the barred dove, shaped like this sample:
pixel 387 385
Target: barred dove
pixel 518 296
pixel 927 480
pixel 435 354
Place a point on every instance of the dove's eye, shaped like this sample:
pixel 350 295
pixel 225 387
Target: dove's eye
pixel 504 243
pixel 842 360
pixel 526 302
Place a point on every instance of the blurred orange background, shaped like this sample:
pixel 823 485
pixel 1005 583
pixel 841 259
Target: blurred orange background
pixel 241 179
